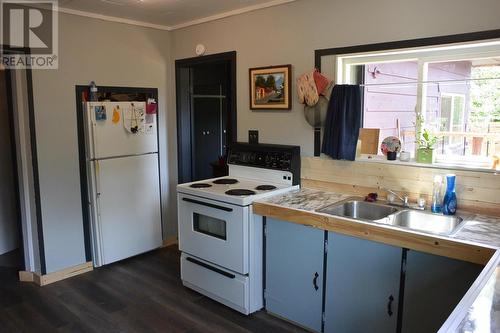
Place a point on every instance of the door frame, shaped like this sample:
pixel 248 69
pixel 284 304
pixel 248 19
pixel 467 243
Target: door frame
pixel 25 163
pixel 80 119
pixel 184 126
pixel 9 91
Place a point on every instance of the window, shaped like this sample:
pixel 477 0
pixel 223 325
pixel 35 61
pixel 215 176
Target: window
pixel 451 115
pixel 209 226
pixel 456 89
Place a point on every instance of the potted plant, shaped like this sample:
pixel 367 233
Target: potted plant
pixel 424 140
pixel 425 147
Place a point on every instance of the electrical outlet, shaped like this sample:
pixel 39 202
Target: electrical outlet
pixel 253 136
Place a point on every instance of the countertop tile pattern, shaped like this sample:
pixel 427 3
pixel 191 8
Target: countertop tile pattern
pixel 484 314
pixel 481 229
pixel 305 199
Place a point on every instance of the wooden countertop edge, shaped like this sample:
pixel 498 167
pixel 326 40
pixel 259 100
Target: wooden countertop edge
pixel 456 249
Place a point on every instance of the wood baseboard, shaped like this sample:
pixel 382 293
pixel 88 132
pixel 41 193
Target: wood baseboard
pixel 171 240
pixel 25 276
pixel 43 280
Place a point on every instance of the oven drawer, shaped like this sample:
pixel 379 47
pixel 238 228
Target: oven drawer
pixel 224 286
pixel 214 231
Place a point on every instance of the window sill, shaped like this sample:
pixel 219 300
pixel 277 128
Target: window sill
pixel 437 165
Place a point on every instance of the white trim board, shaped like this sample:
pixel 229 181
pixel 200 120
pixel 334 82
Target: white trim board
pixel 231 13
pixel 177 26
pixel 113 19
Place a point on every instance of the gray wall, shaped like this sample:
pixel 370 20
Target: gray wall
pixel 9 234
pixel 290 33
pixel 118 54
pixel 111 54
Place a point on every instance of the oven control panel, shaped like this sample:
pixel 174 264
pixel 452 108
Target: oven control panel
pixel 267 156
pixel 269 160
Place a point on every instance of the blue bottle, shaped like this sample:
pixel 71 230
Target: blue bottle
pixel 450 197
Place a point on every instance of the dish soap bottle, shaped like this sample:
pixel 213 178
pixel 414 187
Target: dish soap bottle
pixel 436 194
pixel 450 197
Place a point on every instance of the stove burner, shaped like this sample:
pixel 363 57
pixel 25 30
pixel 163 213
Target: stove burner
pixel 200 185
pixel 265 187
pixel 225 181
pixel 240 192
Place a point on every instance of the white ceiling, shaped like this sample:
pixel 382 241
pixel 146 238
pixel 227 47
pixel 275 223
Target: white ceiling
pixel 169 14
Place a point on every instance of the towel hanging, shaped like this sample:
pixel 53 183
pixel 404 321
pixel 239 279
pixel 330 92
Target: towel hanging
pixel 343 121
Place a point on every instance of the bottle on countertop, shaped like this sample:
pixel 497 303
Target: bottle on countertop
pixel 450 197
pixel 436 194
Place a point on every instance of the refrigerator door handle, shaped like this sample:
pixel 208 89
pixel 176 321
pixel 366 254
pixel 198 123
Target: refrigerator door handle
pixel 96 214
pixel 97 184
pixel 92 125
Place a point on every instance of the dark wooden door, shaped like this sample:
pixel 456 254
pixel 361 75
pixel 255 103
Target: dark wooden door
pixel 207 135
pixel 206 114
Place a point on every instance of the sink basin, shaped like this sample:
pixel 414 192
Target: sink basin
pixel 358 209
pixel 433 223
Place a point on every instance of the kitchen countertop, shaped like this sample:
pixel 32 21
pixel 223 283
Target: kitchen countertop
pixel 478 240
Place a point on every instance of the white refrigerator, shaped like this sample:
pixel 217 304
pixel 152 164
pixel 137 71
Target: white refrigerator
pixel 123 180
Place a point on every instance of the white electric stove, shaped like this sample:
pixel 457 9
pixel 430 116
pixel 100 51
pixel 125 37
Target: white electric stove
pixel 220 238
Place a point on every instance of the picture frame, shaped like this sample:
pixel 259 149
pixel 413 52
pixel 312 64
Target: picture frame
pixel 271 88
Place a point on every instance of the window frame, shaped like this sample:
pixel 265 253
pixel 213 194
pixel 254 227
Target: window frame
pixel 453 97
pixel 424 56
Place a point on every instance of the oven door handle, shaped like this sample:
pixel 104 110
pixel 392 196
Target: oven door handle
pixel 227 209
pixel 211 268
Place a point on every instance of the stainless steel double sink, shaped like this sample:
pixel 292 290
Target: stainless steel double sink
pixel 358 209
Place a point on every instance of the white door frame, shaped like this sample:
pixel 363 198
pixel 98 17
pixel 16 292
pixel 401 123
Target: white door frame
pixel 25 169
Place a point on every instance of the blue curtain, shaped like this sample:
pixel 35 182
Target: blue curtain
pixel 343 120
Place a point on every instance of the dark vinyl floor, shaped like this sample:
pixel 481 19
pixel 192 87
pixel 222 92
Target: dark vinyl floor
pixel 11 259
pixel 141 294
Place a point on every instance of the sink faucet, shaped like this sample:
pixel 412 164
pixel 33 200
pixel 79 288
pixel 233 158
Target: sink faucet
pixel 404 198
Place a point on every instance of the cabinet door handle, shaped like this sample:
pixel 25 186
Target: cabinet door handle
pixel 389 306
pixel 315 281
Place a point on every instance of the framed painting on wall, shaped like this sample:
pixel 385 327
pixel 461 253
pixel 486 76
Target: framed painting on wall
pixel 270 88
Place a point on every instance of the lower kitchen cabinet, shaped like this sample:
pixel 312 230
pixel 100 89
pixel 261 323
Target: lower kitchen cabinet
pixel 433 287
pixel 294 272
pixel 364 282
pixel 362 285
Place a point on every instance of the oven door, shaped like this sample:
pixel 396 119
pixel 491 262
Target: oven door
pixel 214 231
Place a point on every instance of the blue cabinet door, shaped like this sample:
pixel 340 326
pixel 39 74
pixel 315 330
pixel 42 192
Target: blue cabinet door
pixel 294 272
pixel 433 287
pixel 362 285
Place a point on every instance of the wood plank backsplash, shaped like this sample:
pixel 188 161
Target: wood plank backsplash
pixel 476 191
